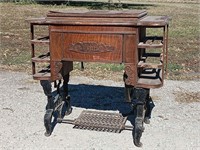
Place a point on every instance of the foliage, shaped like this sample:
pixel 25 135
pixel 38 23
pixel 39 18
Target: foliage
pixel 183 36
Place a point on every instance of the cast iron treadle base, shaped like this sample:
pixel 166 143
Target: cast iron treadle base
pixel 100 121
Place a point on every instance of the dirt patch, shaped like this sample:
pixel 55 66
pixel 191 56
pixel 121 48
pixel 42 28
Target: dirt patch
pixel 22 108
pixel 187 97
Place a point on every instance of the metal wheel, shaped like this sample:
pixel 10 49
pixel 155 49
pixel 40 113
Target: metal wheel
pixel 60 112
pixel 63 108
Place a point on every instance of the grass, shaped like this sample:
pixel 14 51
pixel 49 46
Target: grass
pixel 184 40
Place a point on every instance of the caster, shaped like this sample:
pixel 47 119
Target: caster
pixel 146 120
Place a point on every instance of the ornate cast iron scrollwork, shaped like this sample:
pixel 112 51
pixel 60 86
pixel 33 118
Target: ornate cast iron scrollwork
pixel 139 105
pixel 55 104
pixel 142 106
pixel 90 47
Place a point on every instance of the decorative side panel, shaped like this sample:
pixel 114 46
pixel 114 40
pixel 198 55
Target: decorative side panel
pixel 56 68
pixel 130 75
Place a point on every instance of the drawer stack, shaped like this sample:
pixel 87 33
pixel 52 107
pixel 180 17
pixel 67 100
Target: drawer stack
pixel 40 60
pixel 152 51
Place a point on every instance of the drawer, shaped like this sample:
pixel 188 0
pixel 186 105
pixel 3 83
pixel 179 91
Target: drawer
pixel 92 47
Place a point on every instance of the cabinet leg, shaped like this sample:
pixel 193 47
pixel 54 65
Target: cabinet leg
pixel 128 93
pixel 47 121
pixel 66 97
pixel 138 128
pixel 149 107
pixel 46 85
pixel 139 108
pixel 47 88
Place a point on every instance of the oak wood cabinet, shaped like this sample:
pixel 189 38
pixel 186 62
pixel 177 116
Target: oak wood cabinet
pixel 103 36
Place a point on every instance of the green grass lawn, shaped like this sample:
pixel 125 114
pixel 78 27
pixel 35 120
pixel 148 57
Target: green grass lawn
pixel 184 50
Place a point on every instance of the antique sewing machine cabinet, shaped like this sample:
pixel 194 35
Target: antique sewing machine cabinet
pixel 101 36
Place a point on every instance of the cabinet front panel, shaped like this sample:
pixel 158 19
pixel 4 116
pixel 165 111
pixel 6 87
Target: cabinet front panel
pixel 92 47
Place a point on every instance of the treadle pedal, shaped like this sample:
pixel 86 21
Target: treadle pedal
pixel 100 121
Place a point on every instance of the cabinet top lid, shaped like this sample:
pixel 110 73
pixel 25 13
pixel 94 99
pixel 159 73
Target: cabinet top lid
pixel 94 17
pixel 154 21
pixel 99 13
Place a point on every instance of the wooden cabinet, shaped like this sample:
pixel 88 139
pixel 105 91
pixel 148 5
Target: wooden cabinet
pixel 103 36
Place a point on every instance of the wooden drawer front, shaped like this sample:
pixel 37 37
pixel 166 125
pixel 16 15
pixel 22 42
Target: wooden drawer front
pixel 92 47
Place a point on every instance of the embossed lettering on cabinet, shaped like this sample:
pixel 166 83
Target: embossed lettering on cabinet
pixel 90 47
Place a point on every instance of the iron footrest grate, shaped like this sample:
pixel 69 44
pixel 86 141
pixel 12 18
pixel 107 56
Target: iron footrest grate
pixel 100 121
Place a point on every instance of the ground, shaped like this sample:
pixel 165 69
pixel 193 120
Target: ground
pixel 174 123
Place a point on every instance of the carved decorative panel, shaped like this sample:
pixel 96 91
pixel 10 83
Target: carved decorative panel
pixel 129 74
pixel 91 47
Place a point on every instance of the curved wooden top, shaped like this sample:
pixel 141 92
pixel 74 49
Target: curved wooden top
pixel 99 13
pixel 102 17
pixel 94 17
pixel 156 21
